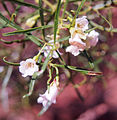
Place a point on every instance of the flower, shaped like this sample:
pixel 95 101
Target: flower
pixel 78 32
pixel 81 23
pixel 79 39
pixel 28 67
pixel 50 95
pixel 92 38
pixel 52 47
pixel 74 50
pixel 48 49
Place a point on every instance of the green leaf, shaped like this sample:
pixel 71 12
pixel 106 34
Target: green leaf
pixel 41 17
pixel 89 58
pixel 10 63
pixel 27 30
pixel 78 10
pixel 27 4
pixel 14 41
pixel 56 19
pixel 31 87
pixel 46 62
pixel 29 35
pixel 65 6
pixel 87 72
pixel 35 40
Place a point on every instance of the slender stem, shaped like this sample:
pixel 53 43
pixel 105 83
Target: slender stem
pixel 102 28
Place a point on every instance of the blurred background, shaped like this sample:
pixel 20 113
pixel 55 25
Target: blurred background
pixel 99 92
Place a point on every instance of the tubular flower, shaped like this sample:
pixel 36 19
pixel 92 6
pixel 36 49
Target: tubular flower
pixel 92 38
pixel 28 67
pixel 49 96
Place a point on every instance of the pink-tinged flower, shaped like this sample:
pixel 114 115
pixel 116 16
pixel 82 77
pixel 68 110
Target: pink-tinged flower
pixel 92 38
pixel 76 41
pixel 74 50
pixel 28 67
pixel 53 48
pixel 49 96
pixel 78 33
pixel 81 23
pixel 47 49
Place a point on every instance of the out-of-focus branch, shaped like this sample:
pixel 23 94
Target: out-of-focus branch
pixel 4 92
pixel 94 113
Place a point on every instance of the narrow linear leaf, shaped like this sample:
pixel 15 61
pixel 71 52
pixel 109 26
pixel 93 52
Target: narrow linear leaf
pixel 60 57
pixel 77 11
pixel 31 87
pixel 41 17
pixel 14 41
pixel 84 71
pixel 17 9
pixel 27 31
pixel 35 40
pixel 56 19
pixel 87 72
pixel 79 8
pixel 27 4
pixel 46 62
pixel 77 69
pixel 89 58
pixel 65 6
pixel 10 63
pixel 29 35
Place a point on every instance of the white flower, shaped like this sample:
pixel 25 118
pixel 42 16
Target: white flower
pixel 49 96
pixel 74 50
pixel 52 48
pixel 81 23
pixel 80 33
pixel 79 39
pixel 47 49
pixel 92 38
pixel 28 67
